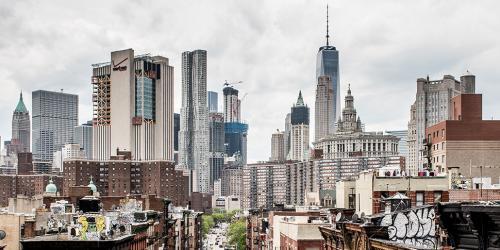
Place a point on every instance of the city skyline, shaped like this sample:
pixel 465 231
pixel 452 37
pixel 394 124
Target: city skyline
pixel 379 57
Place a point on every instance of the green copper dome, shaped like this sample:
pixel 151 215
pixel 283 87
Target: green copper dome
pixel 92 186
pixel 21 108
pixel 51 187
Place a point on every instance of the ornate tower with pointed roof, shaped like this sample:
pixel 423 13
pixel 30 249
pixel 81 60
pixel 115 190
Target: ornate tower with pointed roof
pixel 299 137
pixel 21 127
pixel 300 112
pixel 350 121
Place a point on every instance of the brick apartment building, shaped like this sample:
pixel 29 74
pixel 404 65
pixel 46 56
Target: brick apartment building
pixel 467 142
pixel 120 177
pixel 27 185
pixel 369 192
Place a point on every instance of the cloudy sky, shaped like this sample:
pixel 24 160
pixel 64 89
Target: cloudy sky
pixel 270 45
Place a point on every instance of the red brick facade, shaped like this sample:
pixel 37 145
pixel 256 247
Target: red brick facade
pixel 288 243
pixel 123 177
pixel 28 185
pixel 429 198
pixel 467 123
pixel 474 195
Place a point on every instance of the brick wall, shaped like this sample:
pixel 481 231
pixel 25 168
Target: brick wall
pixel 474 195
pixel 428 198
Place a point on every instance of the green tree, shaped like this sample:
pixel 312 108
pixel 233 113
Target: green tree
pixel 236 233
pixel 207 222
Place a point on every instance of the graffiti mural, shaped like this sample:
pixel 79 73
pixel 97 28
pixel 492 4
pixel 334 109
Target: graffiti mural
pixel 89 227
pixel 414 227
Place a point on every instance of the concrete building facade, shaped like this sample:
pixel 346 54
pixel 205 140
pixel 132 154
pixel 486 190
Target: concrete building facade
pixel 288 134
pixel 84 137
pixel 231 180
pixel 350 141
pixel 278 146
pixel 264 185
pixel 324 109
pixel 432 105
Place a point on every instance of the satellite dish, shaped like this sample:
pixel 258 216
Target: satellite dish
pixel 339 217
pixel 2 234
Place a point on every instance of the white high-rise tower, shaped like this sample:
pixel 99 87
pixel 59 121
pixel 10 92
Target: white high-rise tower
pixel 194 133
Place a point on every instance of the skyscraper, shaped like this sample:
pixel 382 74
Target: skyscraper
pixel 432 105
pixel 83 137
pixel 213 102
pixel 231 105
pixel 403 141
pixel 55 115
pixel 235 130
pixel 324 115
pixel 194 133
pixel 287 136
pixel 216 145
pixel 299 139
pixel 21 127
pixel 177 127
pixel 133 100
pixel 278 146
pixel 327 64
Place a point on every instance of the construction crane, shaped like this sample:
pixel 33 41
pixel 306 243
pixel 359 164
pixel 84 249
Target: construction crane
pixel 231 84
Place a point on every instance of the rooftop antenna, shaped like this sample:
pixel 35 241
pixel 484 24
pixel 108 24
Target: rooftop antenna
pixel 327 35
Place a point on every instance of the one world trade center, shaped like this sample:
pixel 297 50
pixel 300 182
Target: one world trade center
pixel 327 64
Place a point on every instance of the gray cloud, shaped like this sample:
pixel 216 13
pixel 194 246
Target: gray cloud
pixel 270 45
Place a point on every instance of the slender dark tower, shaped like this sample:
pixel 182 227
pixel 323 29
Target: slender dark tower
pixel 21 128
pixel 327 64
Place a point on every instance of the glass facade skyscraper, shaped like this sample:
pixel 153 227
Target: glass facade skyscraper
pixel 55 115
pixel 213 102
pixel 327 64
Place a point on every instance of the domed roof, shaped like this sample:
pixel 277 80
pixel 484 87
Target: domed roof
pixel 92 186
pixel 51 187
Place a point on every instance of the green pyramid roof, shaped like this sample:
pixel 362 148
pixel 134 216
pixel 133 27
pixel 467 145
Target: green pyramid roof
pixel 21 108
pixel 300 101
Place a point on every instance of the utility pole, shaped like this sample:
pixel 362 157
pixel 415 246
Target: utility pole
pixel 481 173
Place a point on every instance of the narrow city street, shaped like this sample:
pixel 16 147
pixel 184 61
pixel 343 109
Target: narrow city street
pixel 217 238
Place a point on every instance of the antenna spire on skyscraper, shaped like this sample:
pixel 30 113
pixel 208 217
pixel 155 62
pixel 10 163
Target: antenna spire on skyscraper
pixel 327 35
